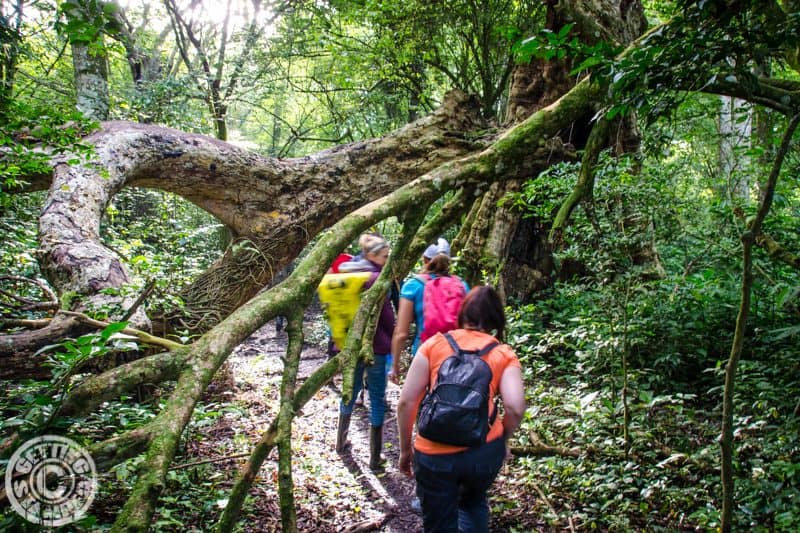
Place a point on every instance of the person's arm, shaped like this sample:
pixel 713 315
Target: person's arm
pixel 413 390
pixel 405 317
pixel 513 394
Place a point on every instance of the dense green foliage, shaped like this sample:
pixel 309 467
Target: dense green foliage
pixel 623 354
pixel 166 240
pixel 668 338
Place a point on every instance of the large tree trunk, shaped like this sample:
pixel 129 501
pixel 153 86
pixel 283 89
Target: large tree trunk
pixel 12 39
pixel 89 59
pixel 495 240
pixel 278 205
pixel 91 81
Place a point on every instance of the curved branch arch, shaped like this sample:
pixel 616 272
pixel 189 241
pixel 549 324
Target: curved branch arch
pixel 257 197
pixel 278 204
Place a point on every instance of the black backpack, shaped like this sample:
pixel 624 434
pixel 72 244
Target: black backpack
pixel 456 410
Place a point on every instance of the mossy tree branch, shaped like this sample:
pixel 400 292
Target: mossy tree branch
pixel 510 157
pixel 94 390
pixel 406 252
pixel 285 416
pixel 122 447
pixel 584 187
pixel 777 251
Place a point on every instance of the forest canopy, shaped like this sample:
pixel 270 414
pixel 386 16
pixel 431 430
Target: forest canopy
pixel 176 175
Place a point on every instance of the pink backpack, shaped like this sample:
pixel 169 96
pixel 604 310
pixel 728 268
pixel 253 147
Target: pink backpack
pixel 441 301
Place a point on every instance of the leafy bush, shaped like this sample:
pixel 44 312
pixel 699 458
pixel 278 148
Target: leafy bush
pixel 626 367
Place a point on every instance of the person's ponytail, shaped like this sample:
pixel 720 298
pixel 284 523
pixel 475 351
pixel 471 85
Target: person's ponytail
pixel 439 265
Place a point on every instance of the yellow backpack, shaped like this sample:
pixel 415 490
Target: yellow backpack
pixel 340 295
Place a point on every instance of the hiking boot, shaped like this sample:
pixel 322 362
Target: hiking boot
pixel 341 432
pixel 375 447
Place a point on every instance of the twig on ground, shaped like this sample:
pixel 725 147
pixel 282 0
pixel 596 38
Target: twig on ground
pixel 550 506
pixel 367 525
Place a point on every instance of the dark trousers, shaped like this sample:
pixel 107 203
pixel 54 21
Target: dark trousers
pixel 452 487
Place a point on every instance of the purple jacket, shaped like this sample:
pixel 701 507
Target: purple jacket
pixel 382 342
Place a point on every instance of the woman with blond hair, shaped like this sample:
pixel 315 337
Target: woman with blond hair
pixel 374 254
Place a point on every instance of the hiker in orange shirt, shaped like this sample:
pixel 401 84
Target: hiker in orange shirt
pixel 452 480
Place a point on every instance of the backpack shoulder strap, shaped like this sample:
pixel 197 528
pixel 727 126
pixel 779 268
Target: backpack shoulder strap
pixel 484 351
pixel 488 348
pixel 453 344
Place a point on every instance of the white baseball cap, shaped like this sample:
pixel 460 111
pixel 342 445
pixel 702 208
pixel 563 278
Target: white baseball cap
pixel 441 247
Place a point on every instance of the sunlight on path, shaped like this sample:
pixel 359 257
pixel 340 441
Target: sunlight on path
pixel 332 492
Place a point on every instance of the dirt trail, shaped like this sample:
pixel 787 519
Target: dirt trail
pixel 333 492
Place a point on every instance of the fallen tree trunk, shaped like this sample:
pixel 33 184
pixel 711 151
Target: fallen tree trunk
pixel 276 205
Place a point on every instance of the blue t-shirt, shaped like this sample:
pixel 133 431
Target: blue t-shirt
pixel 413 290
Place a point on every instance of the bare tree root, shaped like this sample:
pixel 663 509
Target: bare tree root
pixel 244 266
pixel 537 448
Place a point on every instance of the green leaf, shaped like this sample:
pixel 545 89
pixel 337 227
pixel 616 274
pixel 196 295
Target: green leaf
pixel 112 328
pixel 586 64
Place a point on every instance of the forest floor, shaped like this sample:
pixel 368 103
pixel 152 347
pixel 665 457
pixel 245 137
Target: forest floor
pixel 333 492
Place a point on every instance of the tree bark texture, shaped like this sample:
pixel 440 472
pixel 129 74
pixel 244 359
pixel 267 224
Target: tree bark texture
pixel 515 253
pixel 91 80
pixel 17 349
pixel 276 205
